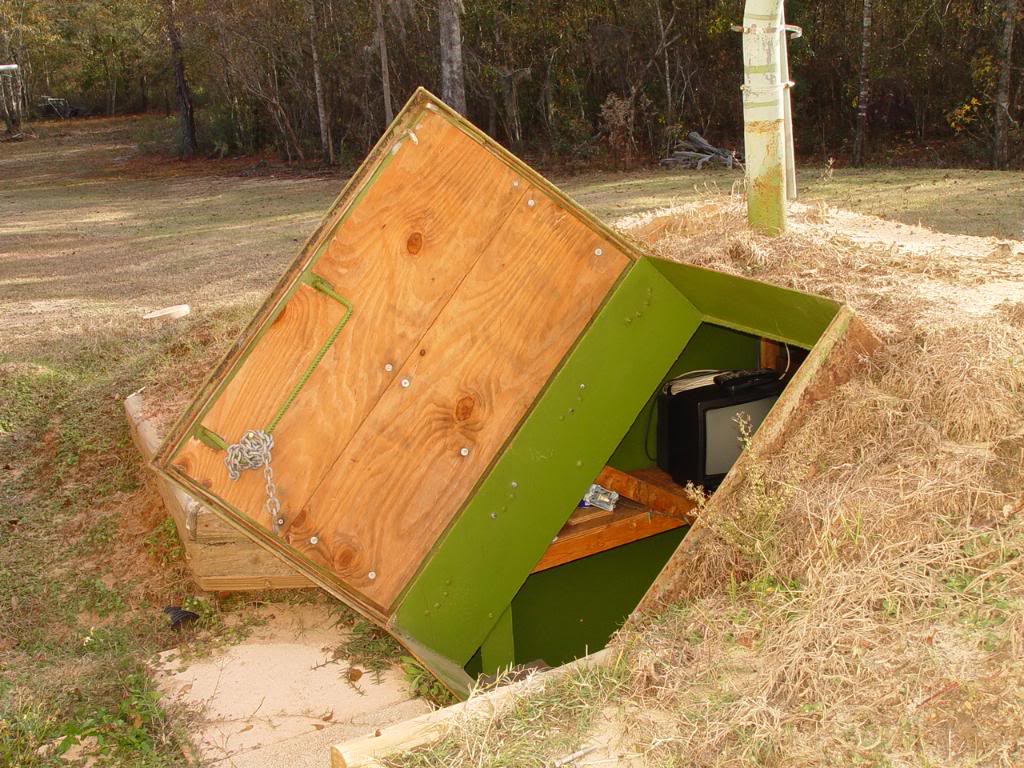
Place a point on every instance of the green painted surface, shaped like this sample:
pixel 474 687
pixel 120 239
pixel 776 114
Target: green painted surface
pixel 712 346
pixel 566 612
pixel 480 563
pixel 750 306
pixel 499 651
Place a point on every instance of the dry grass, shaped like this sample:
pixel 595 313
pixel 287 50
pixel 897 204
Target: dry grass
pixel 861 602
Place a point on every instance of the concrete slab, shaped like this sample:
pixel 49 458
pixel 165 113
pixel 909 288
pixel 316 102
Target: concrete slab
pixel 276 699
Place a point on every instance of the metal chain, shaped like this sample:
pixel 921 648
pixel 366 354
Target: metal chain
pixel 252 452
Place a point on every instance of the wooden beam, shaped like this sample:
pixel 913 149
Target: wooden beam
pixel 370 751
pixel 650 487
pixel 627 524
pixel 220 558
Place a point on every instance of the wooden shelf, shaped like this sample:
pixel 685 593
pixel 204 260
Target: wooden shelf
pixel 650 503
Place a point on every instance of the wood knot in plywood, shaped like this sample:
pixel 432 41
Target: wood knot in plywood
pixel 414 243
pixel 464 408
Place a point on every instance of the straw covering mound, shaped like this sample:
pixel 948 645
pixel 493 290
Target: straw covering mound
pixel 862 601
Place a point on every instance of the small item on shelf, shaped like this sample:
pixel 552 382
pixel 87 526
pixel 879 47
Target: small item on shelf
pixel 600 497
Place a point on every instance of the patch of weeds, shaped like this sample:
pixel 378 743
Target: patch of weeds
pixel 206 610
pixel 136 729
pixel 163 544
pixel 96 597
pixel 100 535
pixel 766 584
pixel 424 685
pixel 370 647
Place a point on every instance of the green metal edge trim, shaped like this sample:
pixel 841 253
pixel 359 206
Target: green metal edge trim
pixel 563 443
pixel 303 278
pixel 209 438
pixel 752 306
pixel 324 286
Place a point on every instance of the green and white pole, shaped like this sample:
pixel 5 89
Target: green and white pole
pixel 767 118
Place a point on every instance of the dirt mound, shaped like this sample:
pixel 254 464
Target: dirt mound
pixel 861 600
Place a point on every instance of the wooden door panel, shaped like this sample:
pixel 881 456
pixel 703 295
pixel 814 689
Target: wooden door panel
pixel 398 256
pixel 422 449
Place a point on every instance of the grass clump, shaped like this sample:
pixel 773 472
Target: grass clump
pixel 80 603
pixel 544 722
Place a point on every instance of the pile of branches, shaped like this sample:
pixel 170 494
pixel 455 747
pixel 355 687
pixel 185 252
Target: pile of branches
pixel 695 152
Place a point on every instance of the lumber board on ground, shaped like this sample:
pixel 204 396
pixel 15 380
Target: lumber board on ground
pixel 223 561
pixel 422 449
pixel 399 256
pixel 370 751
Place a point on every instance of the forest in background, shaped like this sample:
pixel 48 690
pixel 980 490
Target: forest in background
pixel 935 82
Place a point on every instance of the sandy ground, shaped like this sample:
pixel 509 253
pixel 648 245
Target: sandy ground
pixel 277 699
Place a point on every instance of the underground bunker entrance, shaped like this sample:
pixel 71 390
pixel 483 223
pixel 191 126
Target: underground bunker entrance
pixel 602 562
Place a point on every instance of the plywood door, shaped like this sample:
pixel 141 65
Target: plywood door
pixel 417 457
pixel 398 256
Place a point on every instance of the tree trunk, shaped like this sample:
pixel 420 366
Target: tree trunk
pixel 865 87
pixel 453 86
pixel 185 114
pixel 385 78
pixel 326 146
pixel 8 117
pixel 1001 145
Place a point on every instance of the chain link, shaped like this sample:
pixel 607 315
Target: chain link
pixel 252 452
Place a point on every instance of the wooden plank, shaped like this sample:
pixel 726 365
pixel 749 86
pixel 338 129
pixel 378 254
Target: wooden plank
pixel 398 256
pixel 773 355
pixel 652 488
pixel 403 477
pixel 370 751
pixel 628 523
pixel 232 563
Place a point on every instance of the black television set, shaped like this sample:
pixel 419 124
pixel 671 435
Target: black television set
pixel 698 434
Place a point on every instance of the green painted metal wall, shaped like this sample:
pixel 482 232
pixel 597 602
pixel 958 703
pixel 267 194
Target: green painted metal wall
pixel 563 613
pixel 484 558
pixel 757 308
pixel 661 319
pixel 712 346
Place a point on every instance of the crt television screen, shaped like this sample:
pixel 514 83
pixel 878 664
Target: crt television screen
pixel 722 432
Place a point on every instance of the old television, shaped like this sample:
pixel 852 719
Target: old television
pixel 699 434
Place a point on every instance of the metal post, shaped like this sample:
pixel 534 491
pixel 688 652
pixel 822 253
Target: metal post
pixel 768 144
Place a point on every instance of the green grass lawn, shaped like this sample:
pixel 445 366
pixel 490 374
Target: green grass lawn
pixel 984 203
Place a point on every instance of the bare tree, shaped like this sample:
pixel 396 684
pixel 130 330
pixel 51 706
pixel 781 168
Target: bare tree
pixel 185 115
pixel 326 145
pixel 865 87
pixel 453 85
pixel 10 115
pixel 1001 149
pixel 385 77
pixel 10 88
